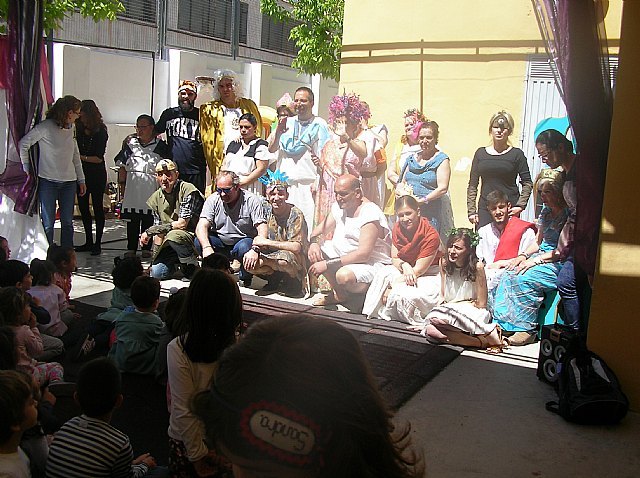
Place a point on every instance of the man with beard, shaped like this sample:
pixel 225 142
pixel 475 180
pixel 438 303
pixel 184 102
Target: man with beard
pixel 359 244
pixel 175 207
pixel 298 141
pixel 503 239
pixel 231 218
pixel 282 260
pixel 182 127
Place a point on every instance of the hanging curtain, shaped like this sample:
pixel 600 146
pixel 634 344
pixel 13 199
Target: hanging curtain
pixel 24 101
pixel 573 31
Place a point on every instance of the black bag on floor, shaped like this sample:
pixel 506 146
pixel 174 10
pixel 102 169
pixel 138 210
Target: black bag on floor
pixel 588 390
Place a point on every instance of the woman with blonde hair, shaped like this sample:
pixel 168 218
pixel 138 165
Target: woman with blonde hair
pixel 59 167
pixel 522 287
pixel 408 144
pixel 497 166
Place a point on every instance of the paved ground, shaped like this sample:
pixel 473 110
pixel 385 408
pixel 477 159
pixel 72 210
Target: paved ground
pixel 482 416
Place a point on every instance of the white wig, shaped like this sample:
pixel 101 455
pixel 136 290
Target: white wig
pixel 218 75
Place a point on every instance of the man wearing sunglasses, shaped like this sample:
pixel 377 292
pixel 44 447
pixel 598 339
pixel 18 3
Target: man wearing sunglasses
pixel 176 207
pixel 231 217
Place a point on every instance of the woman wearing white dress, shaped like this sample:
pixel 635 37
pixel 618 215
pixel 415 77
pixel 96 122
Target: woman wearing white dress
pixel 463 317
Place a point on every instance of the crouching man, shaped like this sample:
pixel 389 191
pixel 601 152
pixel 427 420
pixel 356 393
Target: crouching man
pixel 176 207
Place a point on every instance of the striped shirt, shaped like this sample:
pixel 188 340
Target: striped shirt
pixel 86 446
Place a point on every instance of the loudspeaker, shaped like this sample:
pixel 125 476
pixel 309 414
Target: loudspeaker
pixel 554 340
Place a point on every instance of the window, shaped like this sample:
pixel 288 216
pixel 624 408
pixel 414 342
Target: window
pixel 211 18
pixel 141 10
pixel 275 36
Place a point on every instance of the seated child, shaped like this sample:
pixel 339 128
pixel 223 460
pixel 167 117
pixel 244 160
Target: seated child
pixel 18 413
pixel 139 331
pixel 110 454
pixel 16 274
pixel 216 261
pixel 124 273
pixel 64 258
pixel 169 315
pixel 50 296
pixel 5 252
pixel 14 307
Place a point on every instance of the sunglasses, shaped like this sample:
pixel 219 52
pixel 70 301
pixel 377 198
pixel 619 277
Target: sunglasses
pixel 224 190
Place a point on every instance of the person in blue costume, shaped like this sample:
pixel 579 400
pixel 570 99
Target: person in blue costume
pixel 426 175
pixel 534 272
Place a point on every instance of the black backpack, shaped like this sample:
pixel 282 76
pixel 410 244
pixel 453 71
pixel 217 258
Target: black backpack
pixel 588 390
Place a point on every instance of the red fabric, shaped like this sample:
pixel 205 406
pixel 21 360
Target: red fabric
pixel 510 239
pixel 424 243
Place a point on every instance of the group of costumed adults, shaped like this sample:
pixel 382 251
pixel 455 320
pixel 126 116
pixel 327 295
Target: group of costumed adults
pixel 226 134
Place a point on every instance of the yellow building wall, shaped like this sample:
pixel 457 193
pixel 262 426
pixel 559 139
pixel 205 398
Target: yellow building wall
pixel 615 316
pixel 460 61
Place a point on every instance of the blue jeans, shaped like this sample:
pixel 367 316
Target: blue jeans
pixel 237 251
pixel 169 257
pixel 568 290
pixel 64 192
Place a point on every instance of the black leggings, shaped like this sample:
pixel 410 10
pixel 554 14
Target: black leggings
pixel 96 180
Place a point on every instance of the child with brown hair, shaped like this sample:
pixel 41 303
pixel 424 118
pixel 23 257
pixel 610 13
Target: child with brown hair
pixel 15 309
pixel 18 413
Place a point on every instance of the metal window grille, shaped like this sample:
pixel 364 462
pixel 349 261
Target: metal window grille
pixel 211 18
pixel 275 36
pixel 140 10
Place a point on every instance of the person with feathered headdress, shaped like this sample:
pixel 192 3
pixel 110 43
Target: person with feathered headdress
pixel 283 259
pixel 349 151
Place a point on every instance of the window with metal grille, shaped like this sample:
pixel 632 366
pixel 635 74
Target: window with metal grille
pixel 141 10
pixel 275 36
pixel 211 18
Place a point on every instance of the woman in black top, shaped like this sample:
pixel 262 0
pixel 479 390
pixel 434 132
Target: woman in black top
pixel 91 135
pixel 498 165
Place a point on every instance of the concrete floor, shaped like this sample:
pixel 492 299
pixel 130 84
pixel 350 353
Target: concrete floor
pixel 482 416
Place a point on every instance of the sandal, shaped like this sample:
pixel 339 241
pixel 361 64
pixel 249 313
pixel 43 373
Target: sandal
pixel 325 300
pixel 493 349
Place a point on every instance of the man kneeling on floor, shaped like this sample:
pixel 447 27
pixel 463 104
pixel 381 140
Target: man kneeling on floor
pixel 358 247
pixel 282 260
pixel 176 207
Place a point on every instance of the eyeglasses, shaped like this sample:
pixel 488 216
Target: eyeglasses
pixel 224 190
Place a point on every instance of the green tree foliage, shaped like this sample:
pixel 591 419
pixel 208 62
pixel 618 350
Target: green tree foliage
pixel 56 10
pixel 317 34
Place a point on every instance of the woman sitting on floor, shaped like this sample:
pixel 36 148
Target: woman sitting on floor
pixel 522 287
pixel 408 289
pixel 462 318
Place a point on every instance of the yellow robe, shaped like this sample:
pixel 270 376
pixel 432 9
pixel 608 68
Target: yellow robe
pixel 212 130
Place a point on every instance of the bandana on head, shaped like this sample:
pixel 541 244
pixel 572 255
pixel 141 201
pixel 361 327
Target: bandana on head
pixel 187 85
pixel 274 179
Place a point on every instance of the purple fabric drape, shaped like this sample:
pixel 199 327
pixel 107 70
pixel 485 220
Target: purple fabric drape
pixel 24 103
pixel 573 31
